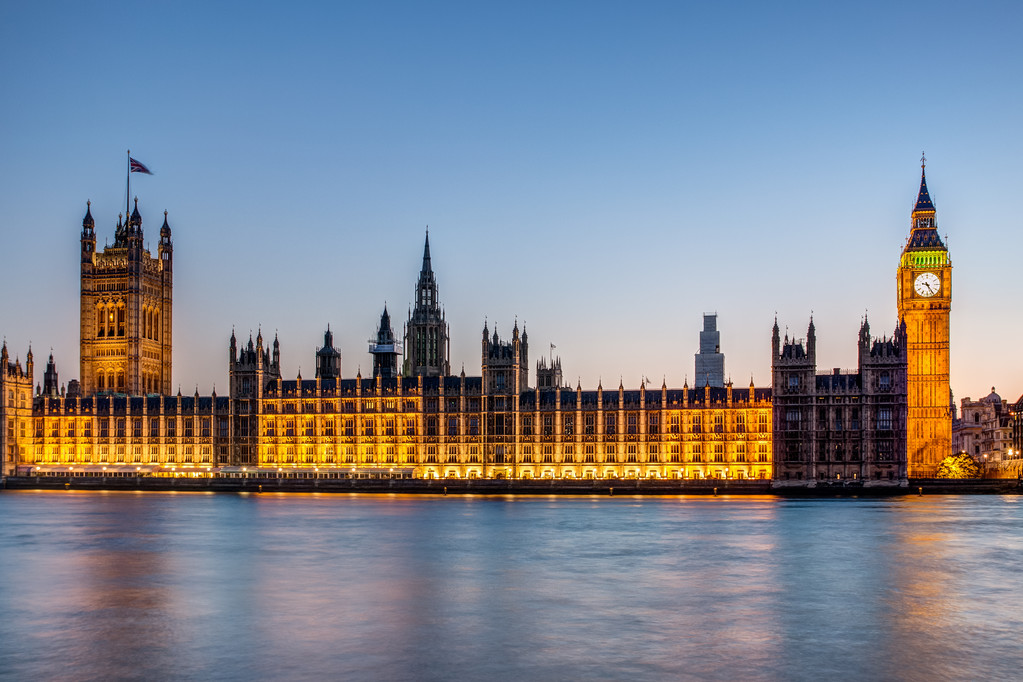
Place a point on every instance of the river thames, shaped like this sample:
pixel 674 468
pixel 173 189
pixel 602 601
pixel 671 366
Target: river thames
pixel 289 586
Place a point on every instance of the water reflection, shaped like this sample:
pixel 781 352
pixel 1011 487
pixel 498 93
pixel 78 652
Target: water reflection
pixel 394 587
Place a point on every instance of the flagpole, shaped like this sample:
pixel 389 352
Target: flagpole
pixel 127 196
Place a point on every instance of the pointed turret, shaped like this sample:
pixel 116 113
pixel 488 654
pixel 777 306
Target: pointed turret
pixel 811 340
pixel 385 332
pixel 165 250
pixel 328 358
pixel 136 217
pixel 385 349
pixel 88 235
pixel 119 231
pixel 87 222
pixel 775 338
pixel 50 382
pixel 865 332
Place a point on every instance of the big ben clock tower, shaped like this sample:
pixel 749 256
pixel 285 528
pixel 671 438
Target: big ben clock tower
pixel 925 299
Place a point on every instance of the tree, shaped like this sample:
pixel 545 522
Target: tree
pixel 960 465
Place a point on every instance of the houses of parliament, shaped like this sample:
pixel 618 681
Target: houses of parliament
pixel 413 418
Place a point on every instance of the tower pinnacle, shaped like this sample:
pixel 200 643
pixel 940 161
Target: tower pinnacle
pixel 923 198
pixel 427 265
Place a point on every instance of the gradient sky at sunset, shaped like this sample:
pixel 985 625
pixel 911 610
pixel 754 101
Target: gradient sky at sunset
pixel 605 172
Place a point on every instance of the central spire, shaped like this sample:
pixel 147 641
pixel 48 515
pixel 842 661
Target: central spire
pixel 427 266
pixel 426 287
pixel 426 333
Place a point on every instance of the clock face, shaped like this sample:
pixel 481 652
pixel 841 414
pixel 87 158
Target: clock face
pixel 927 284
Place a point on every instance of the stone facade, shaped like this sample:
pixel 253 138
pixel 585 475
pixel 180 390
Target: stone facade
pixel 837 426
pixel 888 419
pixel 429 427
pixel 15 408
pixel 126 310
pixel 984 431
pixel 410 424
pixel 924 287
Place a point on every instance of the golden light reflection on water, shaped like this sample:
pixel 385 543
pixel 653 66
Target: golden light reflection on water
pixel 315 586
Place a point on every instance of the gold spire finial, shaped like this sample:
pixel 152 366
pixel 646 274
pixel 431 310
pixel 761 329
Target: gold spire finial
pixel 923 161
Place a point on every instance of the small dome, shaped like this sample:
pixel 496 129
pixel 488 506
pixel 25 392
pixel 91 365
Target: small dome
pixel 992 397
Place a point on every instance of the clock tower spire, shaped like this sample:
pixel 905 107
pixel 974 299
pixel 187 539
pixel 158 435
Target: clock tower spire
pixel 924 284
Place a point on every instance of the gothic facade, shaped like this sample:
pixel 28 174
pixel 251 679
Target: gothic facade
pixel 412 418
pixel 126 310
pixel 837 427
pixel 430 427
pixel 885 421
pixel 924 287
pixel 16 409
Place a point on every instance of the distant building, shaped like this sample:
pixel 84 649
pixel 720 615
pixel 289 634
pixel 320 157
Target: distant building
pixel 837 426
pixel 984 430
pixel 1016 421
pixel 710 361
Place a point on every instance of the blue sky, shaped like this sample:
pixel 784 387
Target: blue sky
pixel 603 172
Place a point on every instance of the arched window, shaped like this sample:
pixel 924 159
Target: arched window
pixel 101 328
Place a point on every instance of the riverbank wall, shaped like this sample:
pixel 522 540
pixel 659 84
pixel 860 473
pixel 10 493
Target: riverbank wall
pixel 602 487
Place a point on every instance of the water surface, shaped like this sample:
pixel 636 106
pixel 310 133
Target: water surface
pixel 286 586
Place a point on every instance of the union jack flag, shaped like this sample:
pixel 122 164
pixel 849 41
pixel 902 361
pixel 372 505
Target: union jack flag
pixel 138 167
